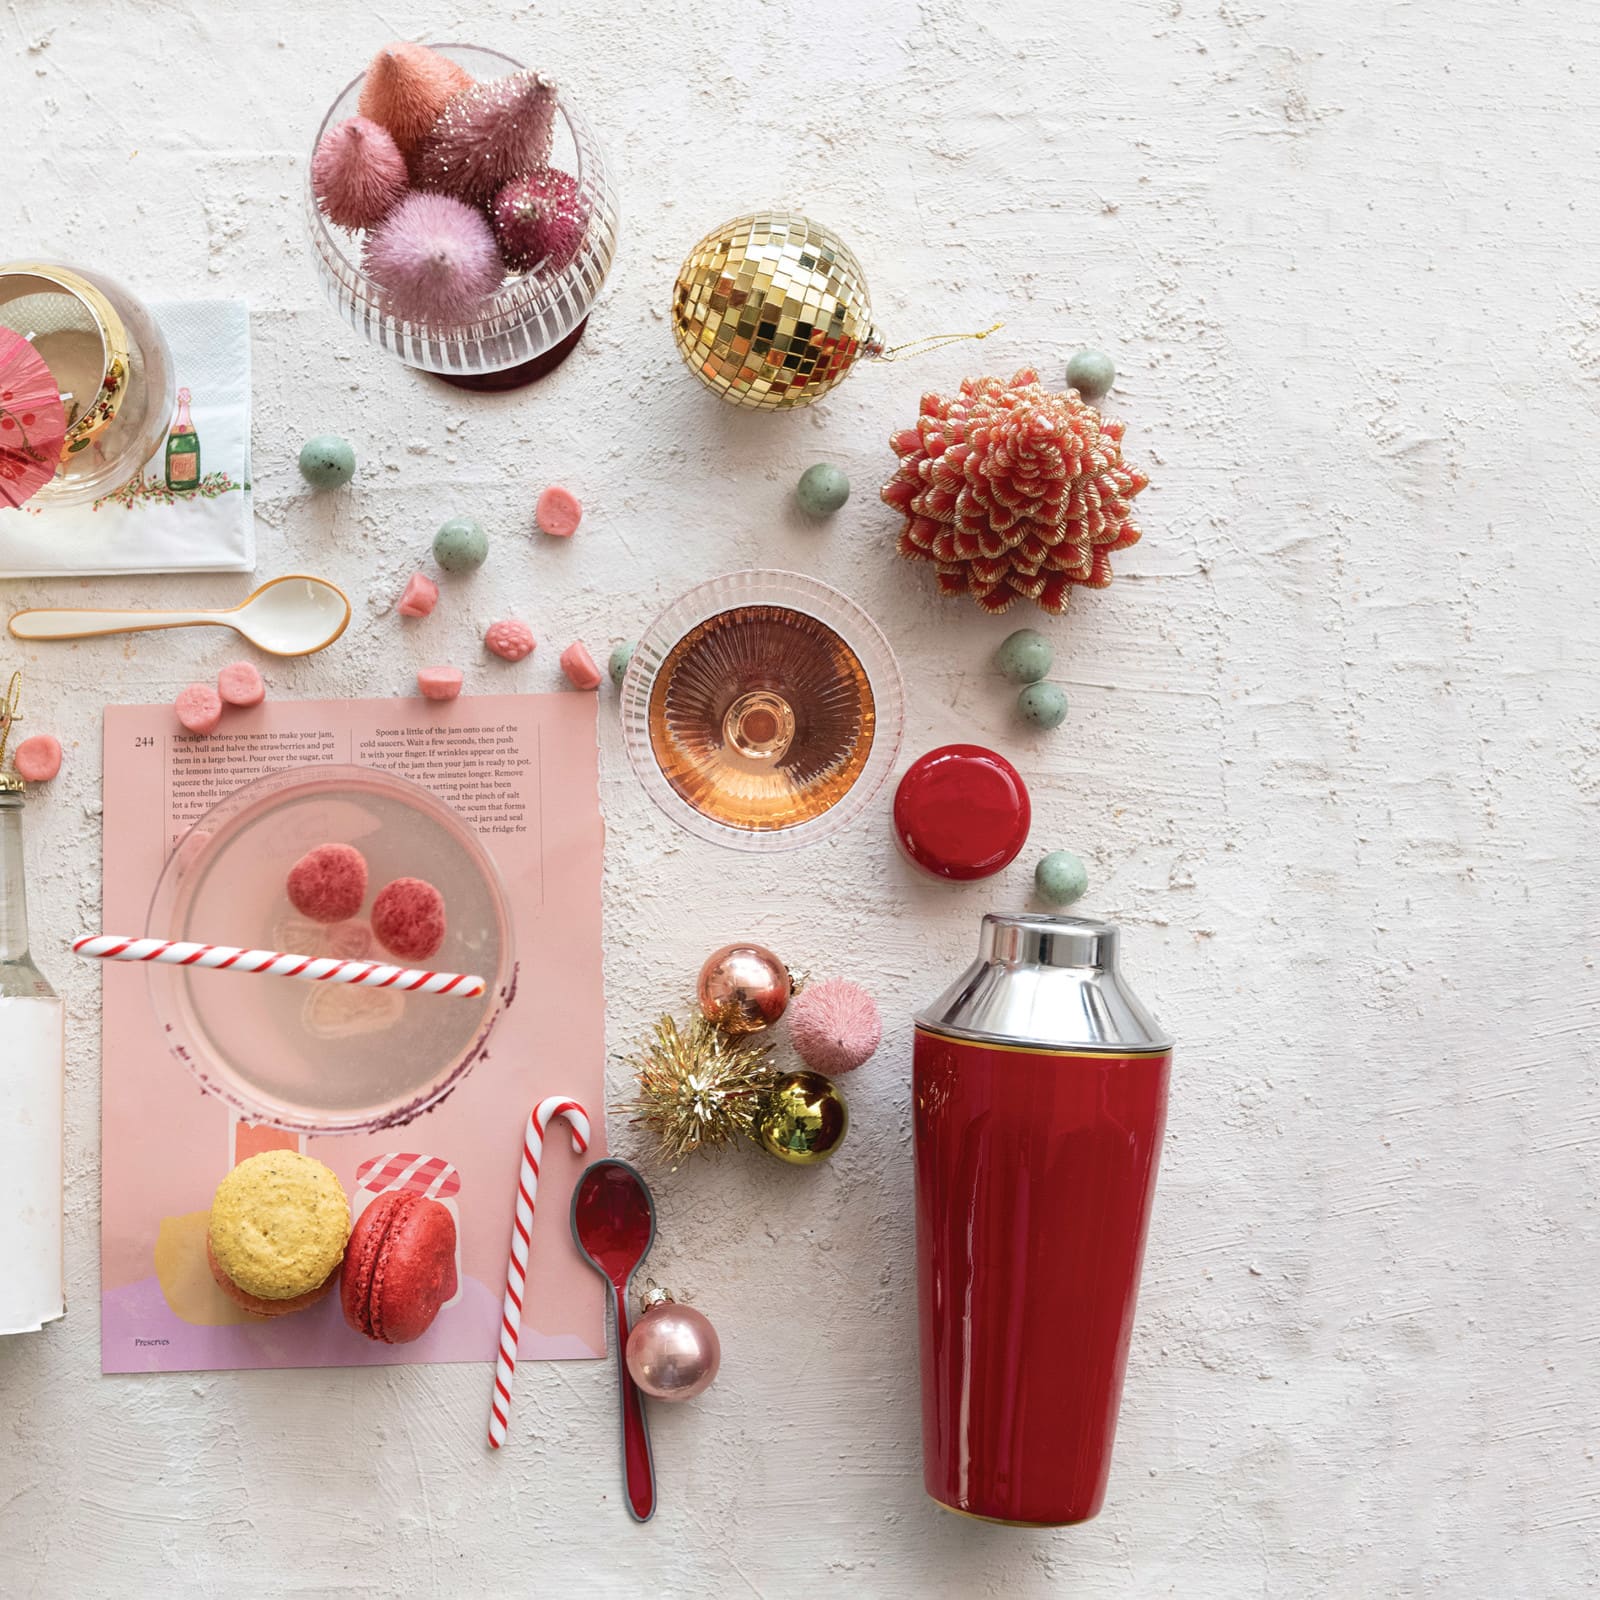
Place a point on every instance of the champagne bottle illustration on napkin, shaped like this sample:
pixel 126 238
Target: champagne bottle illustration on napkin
pixel 183 450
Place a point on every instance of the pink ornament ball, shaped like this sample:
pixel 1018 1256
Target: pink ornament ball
pixel 435 258
pixel 439 683
pixel 358 174
pixel 241 685
pixel 37 759
pixel 408 918
pixel 199 708
pixel 421 596
pixel 329 883
pixel 510 640
pixel 540 221
pixel 834 1025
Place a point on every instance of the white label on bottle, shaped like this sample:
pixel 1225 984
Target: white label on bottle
pixel 32 1076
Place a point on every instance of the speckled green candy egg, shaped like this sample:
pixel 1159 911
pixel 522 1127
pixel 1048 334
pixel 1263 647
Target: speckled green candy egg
pixel 1091 373
pixel 327 462
pixel 1061 878
pixel 1042 705
pixel 621 655
pixel 1024 656
pixel 821 490
pixel 461 545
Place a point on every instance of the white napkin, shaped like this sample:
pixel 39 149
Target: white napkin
pixel 210 344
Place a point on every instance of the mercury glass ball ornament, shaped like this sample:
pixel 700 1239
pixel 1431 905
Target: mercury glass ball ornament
pixel 743 988
pixel 673 1351
pixel 803 1119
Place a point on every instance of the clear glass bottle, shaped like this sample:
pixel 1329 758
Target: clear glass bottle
pixel 33 1062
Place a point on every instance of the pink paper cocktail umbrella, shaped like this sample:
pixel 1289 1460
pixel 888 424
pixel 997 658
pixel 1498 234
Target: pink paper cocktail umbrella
pixel 33 421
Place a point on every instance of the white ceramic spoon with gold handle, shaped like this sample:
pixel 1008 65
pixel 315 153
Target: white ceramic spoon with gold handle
pixel 290 616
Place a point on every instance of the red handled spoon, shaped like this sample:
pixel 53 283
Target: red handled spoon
pixel 613 1224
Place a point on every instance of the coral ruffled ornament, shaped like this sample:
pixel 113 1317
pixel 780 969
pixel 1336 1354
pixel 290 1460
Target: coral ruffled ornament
pixel 1014 492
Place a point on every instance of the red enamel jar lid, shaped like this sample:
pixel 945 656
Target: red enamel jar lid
pixel 962 812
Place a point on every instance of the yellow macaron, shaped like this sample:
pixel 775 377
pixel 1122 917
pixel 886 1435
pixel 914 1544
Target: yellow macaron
pixel 279 1224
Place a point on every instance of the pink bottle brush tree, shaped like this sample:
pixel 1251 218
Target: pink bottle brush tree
pixel 435 259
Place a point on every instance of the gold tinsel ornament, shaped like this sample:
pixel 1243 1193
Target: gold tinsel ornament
pixel 771 310
pixel 698 1090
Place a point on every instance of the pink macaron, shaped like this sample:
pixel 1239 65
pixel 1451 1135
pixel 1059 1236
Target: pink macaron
pixel 399 1267
pixel 241 685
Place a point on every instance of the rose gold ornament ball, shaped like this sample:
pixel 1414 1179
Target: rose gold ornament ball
pixel 743 988
pixel 673 1352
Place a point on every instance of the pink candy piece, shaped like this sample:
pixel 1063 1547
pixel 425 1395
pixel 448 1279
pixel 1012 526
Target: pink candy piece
pixel 199 708
pixel 408 918
pixel 329 883
pixel 559 512
pixel 38 759
pixel 511 640
pixel 439 683
pixel 579 667
pixel 241 685
pixel 421 596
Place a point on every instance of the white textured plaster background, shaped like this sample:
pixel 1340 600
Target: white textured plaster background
pixel 1333 758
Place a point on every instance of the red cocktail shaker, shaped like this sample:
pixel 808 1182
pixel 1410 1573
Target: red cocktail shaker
pixel 1041 1094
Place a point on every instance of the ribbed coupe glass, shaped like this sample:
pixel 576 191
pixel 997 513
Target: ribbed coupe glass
pixel 763 710
pixel 531 322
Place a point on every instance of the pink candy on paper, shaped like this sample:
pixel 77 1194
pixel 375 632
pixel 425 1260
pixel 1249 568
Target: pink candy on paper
pixel 37 759
pixel 510 640
pixel 199 708
pixel 408 918
pixel 421 596
pixel 439 683
pixel 559 512
pixel 579 667
pixel 241 685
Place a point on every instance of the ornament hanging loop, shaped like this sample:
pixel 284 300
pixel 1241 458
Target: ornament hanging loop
pixel 932 341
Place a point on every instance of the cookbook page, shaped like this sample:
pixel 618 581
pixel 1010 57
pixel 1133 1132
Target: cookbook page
pixel 523 771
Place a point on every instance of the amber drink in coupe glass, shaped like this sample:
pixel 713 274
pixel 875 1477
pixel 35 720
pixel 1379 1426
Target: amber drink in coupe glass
pixel 763 710
pixel 319 1057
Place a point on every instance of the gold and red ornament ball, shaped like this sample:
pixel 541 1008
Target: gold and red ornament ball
pixel 1014 492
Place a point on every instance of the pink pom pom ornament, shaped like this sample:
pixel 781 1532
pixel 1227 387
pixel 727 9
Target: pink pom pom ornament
pixel 540 221
pixel 357 173
pixel 434 258
pixel 487 135
pixel 834 1025
pixel 406 89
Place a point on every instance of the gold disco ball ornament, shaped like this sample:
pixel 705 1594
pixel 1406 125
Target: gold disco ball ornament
pixel 771 311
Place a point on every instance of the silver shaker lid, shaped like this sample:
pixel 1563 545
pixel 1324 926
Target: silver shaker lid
pixel 1050 981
